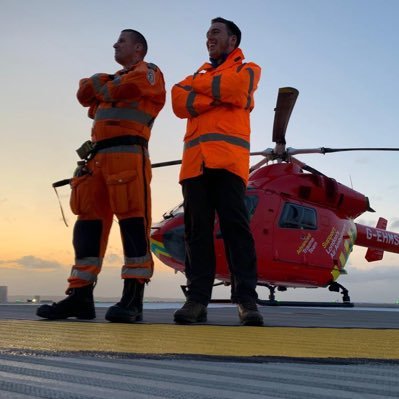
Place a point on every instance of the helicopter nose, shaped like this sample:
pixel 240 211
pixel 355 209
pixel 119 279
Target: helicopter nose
pixel 156 242
pixel 156 234
pixel 168 241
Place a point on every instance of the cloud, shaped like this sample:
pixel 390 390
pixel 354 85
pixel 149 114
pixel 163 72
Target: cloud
pixel 113 260
pixel 392 224
pixel 30 262
pixel 366 222
pixel 380 274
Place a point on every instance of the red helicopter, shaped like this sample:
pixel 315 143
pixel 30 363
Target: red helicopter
pixel 302 220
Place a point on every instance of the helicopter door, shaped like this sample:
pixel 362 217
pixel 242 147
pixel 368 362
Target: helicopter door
pixel 295 226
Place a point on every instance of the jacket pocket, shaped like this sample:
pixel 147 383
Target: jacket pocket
pixel 125 192
pixel 81 201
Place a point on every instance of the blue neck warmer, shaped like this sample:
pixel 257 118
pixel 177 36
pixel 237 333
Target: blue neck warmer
pixel 216 62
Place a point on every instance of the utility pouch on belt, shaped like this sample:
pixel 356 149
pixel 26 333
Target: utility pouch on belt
pixel 80 170
pixel 88 150
pixel 85 149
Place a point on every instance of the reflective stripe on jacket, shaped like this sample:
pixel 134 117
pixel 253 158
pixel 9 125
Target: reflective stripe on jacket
pixel 125 103
pixel 216 103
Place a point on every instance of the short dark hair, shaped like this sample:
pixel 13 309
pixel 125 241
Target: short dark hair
pixel 139 39
pixel 232 28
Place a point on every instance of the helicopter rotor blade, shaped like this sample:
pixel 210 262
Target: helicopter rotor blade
pixel 268 153
pixel 326 150
pixel 323 150
pixel 168 163
pixel 285 104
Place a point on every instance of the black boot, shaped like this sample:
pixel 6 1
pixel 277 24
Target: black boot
pixel 191 312
pixel 130 308
pixel 249 314
pixel 79 303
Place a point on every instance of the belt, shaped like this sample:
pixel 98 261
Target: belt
pixel 119 140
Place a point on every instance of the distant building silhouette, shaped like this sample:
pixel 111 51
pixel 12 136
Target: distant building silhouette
pixel 3 294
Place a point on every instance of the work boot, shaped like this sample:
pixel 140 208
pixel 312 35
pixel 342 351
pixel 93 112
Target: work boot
pixel 79 303
pixel 130 308
pixel 249 314
pixel 191 312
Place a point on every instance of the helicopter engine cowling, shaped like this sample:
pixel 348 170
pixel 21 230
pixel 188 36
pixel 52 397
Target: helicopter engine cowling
pixel 326 191
pixel 291 181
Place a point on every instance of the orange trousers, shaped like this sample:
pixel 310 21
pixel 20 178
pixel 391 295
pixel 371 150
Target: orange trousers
pixel 117 183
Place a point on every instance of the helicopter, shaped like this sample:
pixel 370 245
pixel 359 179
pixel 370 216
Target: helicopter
pixel 302 221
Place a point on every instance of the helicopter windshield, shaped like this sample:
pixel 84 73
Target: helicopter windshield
pixel 251 202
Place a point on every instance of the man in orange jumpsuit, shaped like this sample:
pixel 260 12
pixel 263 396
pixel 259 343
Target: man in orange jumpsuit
pixel 216 101
pixel 114 181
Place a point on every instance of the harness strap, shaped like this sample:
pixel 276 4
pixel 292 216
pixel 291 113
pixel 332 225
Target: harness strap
pixel 59 201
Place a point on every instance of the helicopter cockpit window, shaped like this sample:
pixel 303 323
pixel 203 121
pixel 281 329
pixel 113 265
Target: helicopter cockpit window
pixel 298 217
pixel 251 202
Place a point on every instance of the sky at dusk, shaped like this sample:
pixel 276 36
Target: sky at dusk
pixel 341 55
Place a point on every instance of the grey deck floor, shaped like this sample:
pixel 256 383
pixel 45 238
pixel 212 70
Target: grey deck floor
pixel 34 374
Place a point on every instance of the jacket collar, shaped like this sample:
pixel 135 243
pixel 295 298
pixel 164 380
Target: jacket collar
pixel 235 57
pixel 134 66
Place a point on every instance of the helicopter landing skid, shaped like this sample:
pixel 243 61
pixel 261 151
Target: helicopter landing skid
pixel 185 292
pixel 262 302
pixel 334 286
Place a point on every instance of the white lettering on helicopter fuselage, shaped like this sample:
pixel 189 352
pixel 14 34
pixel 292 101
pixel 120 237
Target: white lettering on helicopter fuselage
pixel 304 243
pixel 311 247
pixel 382 236
pixel 329 238
pixel 333 241
pixel 308 245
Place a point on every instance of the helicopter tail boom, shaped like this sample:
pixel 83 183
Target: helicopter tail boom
pixel 377 240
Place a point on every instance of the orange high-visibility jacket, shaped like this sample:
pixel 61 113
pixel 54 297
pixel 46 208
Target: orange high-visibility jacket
pixel 126 103
pixel 216 103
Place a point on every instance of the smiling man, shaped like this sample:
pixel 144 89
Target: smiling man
pixel 216 101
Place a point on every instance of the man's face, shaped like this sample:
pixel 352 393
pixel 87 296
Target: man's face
pixel 218 41
pixel 125 49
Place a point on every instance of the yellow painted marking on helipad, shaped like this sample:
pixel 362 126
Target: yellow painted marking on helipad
pixel 204 340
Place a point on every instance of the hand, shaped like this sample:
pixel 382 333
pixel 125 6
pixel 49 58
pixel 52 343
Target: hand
pixel 103 77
